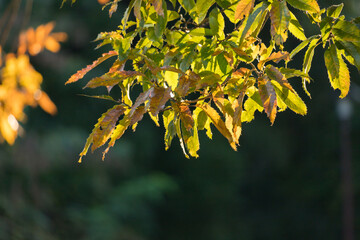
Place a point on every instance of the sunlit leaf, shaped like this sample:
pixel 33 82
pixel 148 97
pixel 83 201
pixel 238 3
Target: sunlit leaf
pixel 268 97
pixel 290 98
pixel 158 99
pixel 218 123
pixel 243 9
pixel 217 23
pixel 295 28
pixel 252 103
pixel 309 55
pixel 305 5
pixel 280 19
pixel 202 7
pixel 81 73
pixel 169 124
pixel 334 10
pixel 103 129
pixel 337 70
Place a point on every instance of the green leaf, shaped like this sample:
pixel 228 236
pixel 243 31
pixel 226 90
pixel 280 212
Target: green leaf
pixel 332 62
pixel 202 7
pixel 309 55
pixel 161 22
pixel 217 23
pixel 326 25
pixel 310 6
pixel 337 70
pixel 202 121
pixel 280 18
pixel 254 23
pixel 352 53
pixel 188 5
pixel 334 10
pixel 252 103
pixel 126 14
pixel 274 74
pixel 290 73
pixel 295 28
pixel 347 31
pixel 290 98
pixel 191 139
pixel 301 46
pixel 169 124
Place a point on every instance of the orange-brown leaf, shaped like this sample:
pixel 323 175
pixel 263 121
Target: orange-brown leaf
pixel 219 123
pixel 185 83
pixel 268 97
pixel 186 116
pixel 81 73
pixel 143 97
pixel 137 115
pixel 110 80
pixel 158 7
pixel 105 126
pixel 276 57
pixel 241 72
pixel 237 105
pixel 159 98
pixel 274 74
pixel 113 8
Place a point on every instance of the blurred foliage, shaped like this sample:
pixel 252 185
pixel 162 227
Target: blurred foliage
pixel 20 83
pixel 283 183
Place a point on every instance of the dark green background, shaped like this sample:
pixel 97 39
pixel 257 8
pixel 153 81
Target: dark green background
pixel 283 183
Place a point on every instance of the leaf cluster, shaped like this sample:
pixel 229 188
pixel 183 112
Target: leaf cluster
pixel 201 64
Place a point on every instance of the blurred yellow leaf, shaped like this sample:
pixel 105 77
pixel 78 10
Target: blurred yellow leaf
pixel 35 40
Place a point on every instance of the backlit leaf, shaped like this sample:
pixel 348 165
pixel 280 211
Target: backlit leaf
pixel 202 121
pixel 81 73
pixel 290 98
pixel 243 9
pixel 217 23
pixel 103 129
pixel 295 28
pixel 347 31
pixel 252 103
pixel 274 74
pixel 268 97
pixel 169 124
pixel 337 70
pixel 202 7
pixel 158 98
pixel 309 55
pixel 310 6
pixel 276 57
pixel 254 23
pixel 218 123
pixel 280 18
pixel 352 52
pixel 335 10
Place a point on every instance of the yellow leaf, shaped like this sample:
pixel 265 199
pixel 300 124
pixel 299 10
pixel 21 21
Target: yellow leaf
pixel 218 123
pixel 46 104
pixel 243 9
